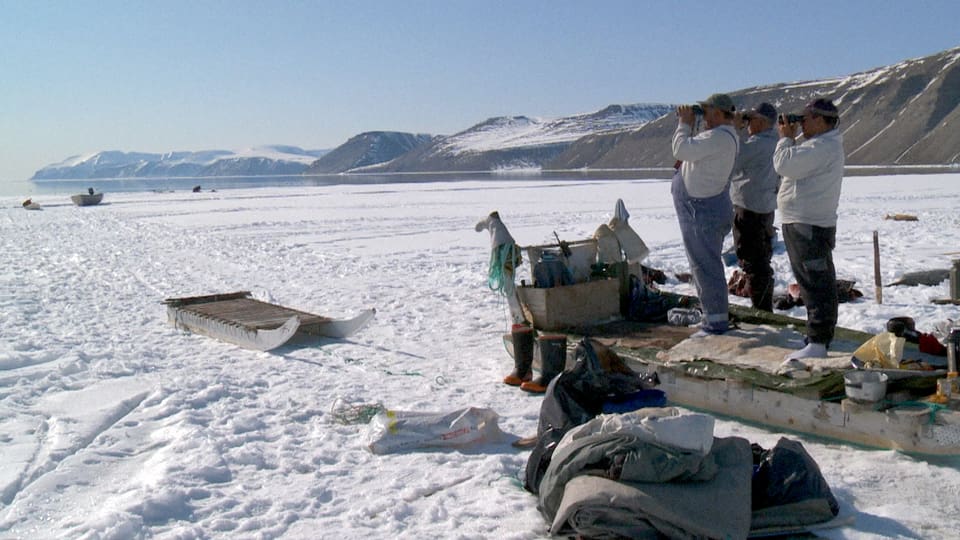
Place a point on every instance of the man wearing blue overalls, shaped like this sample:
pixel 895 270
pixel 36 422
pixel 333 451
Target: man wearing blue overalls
pixel 701 197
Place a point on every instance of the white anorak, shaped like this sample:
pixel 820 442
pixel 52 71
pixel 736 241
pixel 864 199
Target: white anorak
pixel 707 158
pixel 812 171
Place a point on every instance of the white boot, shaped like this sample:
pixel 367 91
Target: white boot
pixel 812 350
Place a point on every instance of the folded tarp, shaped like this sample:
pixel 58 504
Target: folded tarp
pixel 718 507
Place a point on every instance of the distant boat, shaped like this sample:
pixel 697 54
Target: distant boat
pixel 87 199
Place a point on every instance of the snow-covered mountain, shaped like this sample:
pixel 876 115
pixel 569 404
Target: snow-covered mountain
pixel 366 149
pixel 521 141
pixel 904 114
pixel 514 132
pixel 255 161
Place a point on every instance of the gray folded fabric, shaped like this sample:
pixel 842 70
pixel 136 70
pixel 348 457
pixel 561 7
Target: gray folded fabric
pixel 596 507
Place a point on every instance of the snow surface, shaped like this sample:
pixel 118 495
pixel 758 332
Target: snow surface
pixel 114 424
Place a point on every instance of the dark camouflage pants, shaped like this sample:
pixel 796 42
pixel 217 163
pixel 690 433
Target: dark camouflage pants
pixel 810 249
pixel 753 240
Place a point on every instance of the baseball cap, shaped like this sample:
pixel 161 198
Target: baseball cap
pixel 823 107
pixel 720 101
pixel 765 110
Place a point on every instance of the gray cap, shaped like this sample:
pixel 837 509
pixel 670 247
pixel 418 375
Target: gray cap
pixel 720 101
pixel 765 110
pixel 823 107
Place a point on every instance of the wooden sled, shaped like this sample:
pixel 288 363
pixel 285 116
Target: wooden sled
pixel 723 375
pixel 236 318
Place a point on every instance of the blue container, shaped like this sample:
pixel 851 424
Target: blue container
pixel 634 401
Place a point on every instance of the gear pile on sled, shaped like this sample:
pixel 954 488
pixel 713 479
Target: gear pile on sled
pixel 898 389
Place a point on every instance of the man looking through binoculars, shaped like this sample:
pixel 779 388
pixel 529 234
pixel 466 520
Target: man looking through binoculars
pixel 702 200
pixel 812 169
pixel 753 190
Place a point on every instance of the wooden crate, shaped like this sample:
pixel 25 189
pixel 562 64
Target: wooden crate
pixel 556 308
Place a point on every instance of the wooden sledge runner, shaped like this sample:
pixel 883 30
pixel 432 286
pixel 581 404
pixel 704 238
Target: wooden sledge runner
pixel 701 374
pixel 252 324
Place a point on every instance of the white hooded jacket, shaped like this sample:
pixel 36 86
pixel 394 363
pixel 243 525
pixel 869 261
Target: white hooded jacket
pixel 812 172
pixel 708 158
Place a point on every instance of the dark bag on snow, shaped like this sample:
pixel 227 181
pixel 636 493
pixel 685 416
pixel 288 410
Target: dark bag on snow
pixel 646 303
pixel 786 474
pixel 577 396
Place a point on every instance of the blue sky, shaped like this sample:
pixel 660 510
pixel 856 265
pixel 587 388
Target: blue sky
pixel 78 77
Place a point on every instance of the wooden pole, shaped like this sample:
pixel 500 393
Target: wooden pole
pixel 876 267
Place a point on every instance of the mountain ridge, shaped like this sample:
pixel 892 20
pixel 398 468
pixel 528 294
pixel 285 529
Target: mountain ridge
pixel 904 114
pixel 260 160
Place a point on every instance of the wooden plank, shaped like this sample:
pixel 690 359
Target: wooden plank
pixel 236 308
pixel 205 298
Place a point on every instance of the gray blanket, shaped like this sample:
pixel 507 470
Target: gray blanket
pixel 688 506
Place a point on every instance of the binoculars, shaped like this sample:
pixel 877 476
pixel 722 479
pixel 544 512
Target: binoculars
pixel 697 109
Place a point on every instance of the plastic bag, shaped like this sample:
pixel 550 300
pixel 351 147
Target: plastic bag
pixel 883 350
pixel 608 247
pixel 692 432
pixel 395 431
pixel 630 242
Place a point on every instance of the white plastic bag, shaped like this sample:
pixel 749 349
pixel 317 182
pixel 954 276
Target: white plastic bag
pixel 394 431
pixel 884 350
pixel 663 425
pixel 608 247
pixel 632 245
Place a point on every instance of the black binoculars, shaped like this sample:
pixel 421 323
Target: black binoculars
pixel 697 109
pixel 791 118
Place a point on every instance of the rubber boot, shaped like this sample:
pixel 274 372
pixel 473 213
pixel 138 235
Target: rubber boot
pixel 553 359
pixel 522 336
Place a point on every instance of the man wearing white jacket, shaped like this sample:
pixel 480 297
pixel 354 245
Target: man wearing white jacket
pixel 812 171
pixel 701 196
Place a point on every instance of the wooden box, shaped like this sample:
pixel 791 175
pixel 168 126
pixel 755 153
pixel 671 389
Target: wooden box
pixel 556 308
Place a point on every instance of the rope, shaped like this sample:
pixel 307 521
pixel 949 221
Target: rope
pixel 514 480
pixel 503 261
pixel 934 407
pixel 354 413
pixel 407 373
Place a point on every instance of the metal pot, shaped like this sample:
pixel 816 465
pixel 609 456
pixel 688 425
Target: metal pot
pixel 865 385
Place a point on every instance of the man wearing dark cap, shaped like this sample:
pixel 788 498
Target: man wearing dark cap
pixel 753 190
pixel 812 169
pixel 701 196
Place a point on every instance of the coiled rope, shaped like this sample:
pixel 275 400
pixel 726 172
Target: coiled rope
pixel 503 261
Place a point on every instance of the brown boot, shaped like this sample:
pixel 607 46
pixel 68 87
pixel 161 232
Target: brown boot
pixel 522 336
pixel 553 359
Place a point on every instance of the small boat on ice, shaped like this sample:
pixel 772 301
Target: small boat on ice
pixel 87 199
